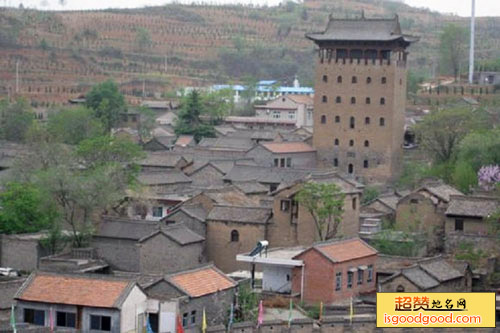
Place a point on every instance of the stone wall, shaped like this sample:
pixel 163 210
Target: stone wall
pixel 120 254
pixel 20 252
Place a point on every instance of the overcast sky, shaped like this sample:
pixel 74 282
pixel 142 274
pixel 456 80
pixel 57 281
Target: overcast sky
pixel 459 7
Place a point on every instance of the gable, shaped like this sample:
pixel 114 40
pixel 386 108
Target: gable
pixel 163 290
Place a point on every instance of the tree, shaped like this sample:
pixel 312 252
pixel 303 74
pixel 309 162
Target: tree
pixel 24 209
pixel 453 40
pixel 107 102
pixel 480 148
pixel 146 124
pixel 189 121
pixel 442 130
pixel 325 203
pixel 15 121
pixel 71 126
pixel 143 38
pixel 218 104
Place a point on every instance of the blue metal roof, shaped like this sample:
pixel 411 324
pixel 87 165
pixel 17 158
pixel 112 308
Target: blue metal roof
pixel 284 90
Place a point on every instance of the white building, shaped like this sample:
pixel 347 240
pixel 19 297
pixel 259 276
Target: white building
pixel 298 108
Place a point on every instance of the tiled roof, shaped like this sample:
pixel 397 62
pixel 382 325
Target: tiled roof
pixel 472 206
pixel 440 269
pixel 227 143
pixel 184 140
pixel 230 196
pixel 288 147
pixel 265 174
pixel 420 278
pixel 197 211
pixel 126 228
pixel 345 250
pixel 251 187
pixel 240 214
pixel 163 178
pixel 301 99
pixel 179 233
pixel 442 191
pixel 201 282
pixel 74 290
pixel 163 159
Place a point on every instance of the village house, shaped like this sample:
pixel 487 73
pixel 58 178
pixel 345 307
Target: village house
pixel 89 303
pixel 335 271
pixel 163 161
pixel 165 181
pixel 22 251
pixel 423 210
pixel 284 155
pixel 191 215
pixel 160 143
pixel 430 275
pixel 292 107
pixel 467 223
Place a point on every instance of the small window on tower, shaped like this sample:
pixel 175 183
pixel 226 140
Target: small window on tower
pixel 367 143
pixel 325 78
pixel 235 236
pixel 353 100
pixel 324 99
pixel 351 123
pixel 354 79
pixel 367 121
pixel 336 142
pixel 335 162
pixel 382 101
pixel 368 80
pixel 337 119
pixel 323 119
pixel 382 122
pixel 339 79
pixel 365 164
pixel 351 143
pixel 338 100
pixel 384 80
pixel 368 100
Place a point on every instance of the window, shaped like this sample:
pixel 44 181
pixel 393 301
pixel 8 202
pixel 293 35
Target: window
pixel 368 100
pixel 35 317
pixel 354 79
pixel 384 80
pixel 325 78
pixel 459 225
pixel 100 323
pixel 339 79
pixel 323 119
pixel 335 162
pixel 65 319
pixel 400 289
pixel 193 317
pixel 368 80
pixel 382 122
pixel 349 279
pixel 367 121
pixel 324 99
pixel 336 142
pixel 360 276
pixel 351 122
pixel 350 169
pixel 276 162
pixel 414 201
pixel 285 205
pixel 337 119
pixel 338 100
pixel 338 281
pixel 367 143
pixel 309 115
pixel 295 209
pixel 354 203
pixel 273 187
pixel 288 162
pixel 351 143
pixel 276 115
pixel 291 115
pixel 282 162
pixel 134 119
pixel 382 101
pixel 370 273
pixel 235 236
pixel 158 211
pixel 365 164
pixel 185 319
pixel 353 100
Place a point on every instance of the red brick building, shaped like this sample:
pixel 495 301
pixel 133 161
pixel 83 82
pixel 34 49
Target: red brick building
pixel 335 271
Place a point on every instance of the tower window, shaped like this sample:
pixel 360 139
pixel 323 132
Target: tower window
pixel 350 169
pixel 323 119
pixel 365 164
pixel 382 122
pixel 382 101
pixel 384 80
pixel 235 236
pixel 335 162
pixel 336 142
pixel 367 121
pixel 354 79
pixel 353 100
pixel 351 122
pixel 338 100
pixel 368 80
pixel 367 143
pixel 339 79
pixel 337 119
pixel 354 202
pixel 325 78
pixel 368 100
pixel 351 143
pixel 324 99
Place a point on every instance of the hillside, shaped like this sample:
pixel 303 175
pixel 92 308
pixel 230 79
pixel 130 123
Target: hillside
pixel 61 53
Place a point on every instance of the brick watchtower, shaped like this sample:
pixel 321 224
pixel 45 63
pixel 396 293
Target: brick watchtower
pixel 360 96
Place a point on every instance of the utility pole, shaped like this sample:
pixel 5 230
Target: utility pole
pixel 17 76
pixel 471 51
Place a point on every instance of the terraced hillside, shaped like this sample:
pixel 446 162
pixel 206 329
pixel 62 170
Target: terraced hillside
pixel 60 54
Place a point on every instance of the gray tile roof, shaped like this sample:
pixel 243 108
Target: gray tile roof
pixel 126 228
pixel 442 191
pixel 251 187
pixel 197 211
pixel 245 173
pixel 163 159
pixel 179 233
pixel 163 178
pixel 472 206
pixel 257 215
pixel 227 143
pixel 440 270
pixel 420 278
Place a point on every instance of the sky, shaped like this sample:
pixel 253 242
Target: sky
pixel 458 7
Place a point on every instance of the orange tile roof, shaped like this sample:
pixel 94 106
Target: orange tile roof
pixel 346 250
pixel 288 147
pixel 202 282
pixel 62 289
pixel 184 140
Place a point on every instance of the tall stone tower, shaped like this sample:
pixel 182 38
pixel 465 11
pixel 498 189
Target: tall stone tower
pixel 360 96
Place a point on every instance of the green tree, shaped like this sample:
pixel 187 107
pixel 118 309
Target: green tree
pixel 189 121
pixel 453 43
pixel 480 148
pixel 325 203
pixel 24 209
pixel 369 193
pixel 15 121
pixel 107 102
pixel 71 126
pixel 143 38
pixel 146 124
pixel 464 177
pixel 218 104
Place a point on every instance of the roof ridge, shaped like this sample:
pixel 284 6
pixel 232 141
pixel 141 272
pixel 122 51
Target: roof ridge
pixel 236 206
